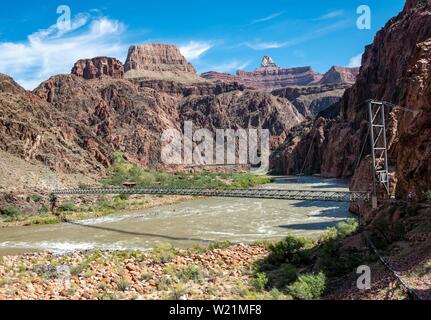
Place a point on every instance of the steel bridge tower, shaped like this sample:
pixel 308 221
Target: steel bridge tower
pixel 379 148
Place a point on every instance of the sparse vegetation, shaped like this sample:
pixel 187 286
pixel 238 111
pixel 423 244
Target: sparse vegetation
pixel 300 267
pixel 308 286
pixel 9 212
pixel 123 171
pixel 163 252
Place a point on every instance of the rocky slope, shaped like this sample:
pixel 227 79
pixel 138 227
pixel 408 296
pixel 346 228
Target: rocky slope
pixel 270 77
pixel 241 109
pixel 340 75
pixel 403 79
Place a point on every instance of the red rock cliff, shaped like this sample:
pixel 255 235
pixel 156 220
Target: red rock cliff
pixel 395 68
pixel 98 67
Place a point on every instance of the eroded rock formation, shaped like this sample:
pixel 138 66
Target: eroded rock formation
pixel 161 62
pixel 98 67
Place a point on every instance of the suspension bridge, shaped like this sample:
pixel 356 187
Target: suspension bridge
pixel 277 194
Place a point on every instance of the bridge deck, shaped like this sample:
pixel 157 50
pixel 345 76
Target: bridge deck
pixel 282 194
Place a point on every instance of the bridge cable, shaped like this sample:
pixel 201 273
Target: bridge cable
pixel 308 153
pixel 410 292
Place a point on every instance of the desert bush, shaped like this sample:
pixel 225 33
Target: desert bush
pixel 281 276
pixel 163 252
pixel 219 245
pixel 287 250
pixel 191 273
pixel 9 212
pixel 259 282
pixel 36 198
pixel 308 287
pixel 67 207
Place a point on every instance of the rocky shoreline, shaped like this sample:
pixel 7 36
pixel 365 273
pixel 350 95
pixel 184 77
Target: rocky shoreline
pixel 163 273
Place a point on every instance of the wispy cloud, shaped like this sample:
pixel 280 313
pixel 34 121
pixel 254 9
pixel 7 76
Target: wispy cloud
pixel 195 49
pixel 355 61
pixel 228 66
pixel 267 18
pixel 259 45
pixel 331 15
pixel 53 50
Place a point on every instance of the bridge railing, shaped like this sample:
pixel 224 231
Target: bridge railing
pixel 282 194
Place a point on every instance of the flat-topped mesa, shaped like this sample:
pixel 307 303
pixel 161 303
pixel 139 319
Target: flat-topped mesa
pixel 98 67
pixel 337 75
pixel 157 57
pixel 159 62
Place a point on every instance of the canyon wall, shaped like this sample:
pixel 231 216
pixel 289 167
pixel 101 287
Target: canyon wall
pixel 395 68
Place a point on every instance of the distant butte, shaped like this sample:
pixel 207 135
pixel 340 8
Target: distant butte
pixel 270 77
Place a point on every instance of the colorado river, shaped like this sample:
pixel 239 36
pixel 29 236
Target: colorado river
pixel 183 224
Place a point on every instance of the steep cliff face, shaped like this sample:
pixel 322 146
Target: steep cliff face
pixel 312 100
pixel 241 109
pixel 98 67
pixel 161 62
pixel 395 68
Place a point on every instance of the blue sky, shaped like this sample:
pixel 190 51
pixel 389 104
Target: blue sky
pixel 214 35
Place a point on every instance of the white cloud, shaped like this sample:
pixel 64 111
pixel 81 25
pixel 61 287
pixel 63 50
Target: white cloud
pixel 355 61
pixel 53 51
pixel 264 45
pixel 267 18
pixel 194 49
pixel 331 15
pixel 228 66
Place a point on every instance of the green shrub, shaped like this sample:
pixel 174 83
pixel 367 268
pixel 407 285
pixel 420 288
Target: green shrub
pixel 123 284
pixel 259 282
pixel 219 245
pixel 36 198
pixel 191 273
pixel 282 276
pixel 286 250
pixel 67 207
pixel 43 210
pixel 346 228
pixel 163 252
pixel 308 287
pixel 9 211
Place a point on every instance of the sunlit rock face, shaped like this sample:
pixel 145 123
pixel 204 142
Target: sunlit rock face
pixel 269 76
pixel 98 67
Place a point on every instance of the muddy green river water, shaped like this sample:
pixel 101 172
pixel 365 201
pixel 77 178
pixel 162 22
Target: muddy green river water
pixel 183 224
